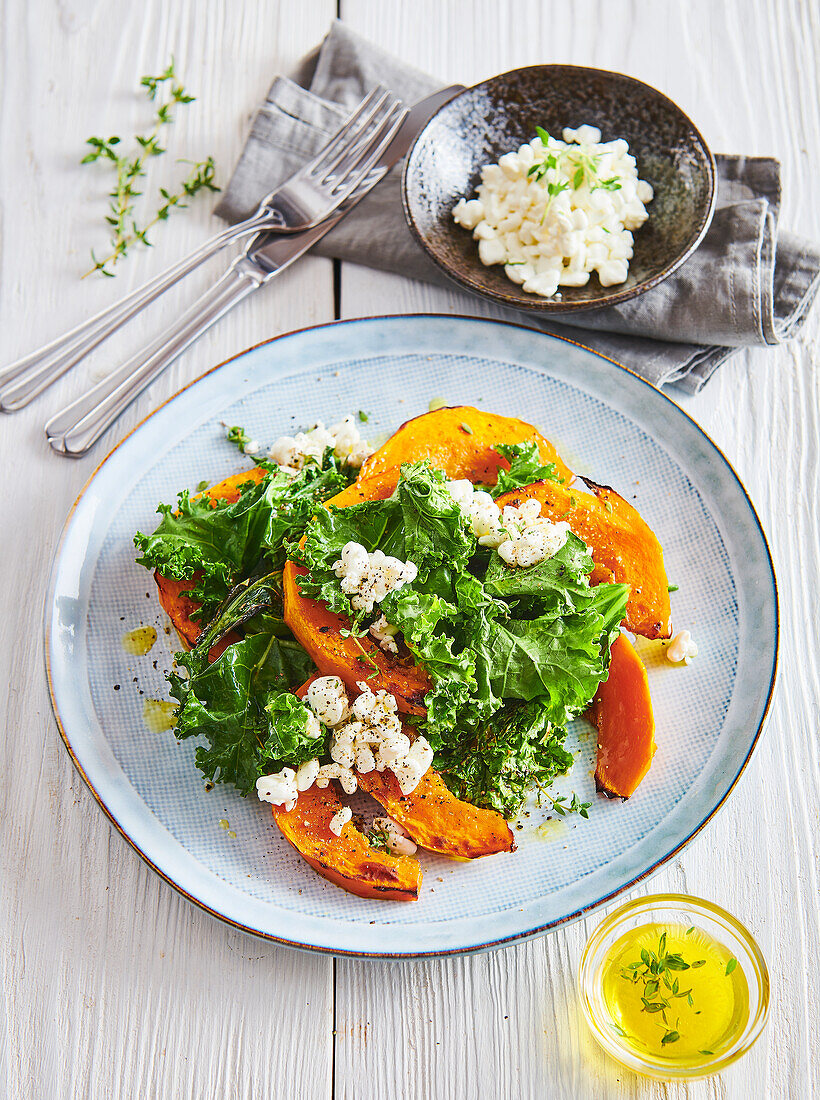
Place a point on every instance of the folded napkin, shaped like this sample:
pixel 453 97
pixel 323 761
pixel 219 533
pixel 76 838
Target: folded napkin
pixel 748 284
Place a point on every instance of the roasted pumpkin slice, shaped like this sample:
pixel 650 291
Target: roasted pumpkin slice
pixel 347 860
pixel 623 547
pixel 172 593
pixel 319 631
pixel 460 441
pixel 622 711
pixel 436 819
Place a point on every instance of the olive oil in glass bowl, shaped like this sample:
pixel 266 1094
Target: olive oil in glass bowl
pixel 674 986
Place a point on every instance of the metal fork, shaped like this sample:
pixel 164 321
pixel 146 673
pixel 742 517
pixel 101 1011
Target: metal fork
pixel 310 196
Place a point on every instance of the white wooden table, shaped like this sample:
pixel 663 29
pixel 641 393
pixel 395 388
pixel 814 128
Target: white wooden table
pixel 113 985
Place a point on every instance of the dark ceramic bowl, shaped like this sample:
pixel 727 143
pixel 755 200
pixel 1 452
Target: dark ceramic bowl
pixel 481 123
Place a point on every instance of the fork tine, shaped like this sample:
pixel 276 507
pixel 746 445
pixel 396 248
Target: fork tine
pixel 361 139
pixel 358 163
pixel 352 129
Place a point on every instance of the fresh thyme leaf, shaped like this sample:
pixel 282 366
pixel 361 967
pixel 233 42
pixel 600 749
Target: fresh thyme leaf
pixel 363 416
pixel 674 588
pixel 697 963
pixel 691 927
pixel 730 966
pixel 670 1037
pixel 239 437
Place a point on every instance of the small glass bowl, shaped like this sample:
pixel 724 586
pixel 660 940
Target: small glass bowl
pixel 672 909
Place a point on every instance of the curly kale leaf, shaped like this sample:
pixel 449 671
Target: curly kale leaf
pixel 215 543
pixel 232 705
pixel 420 522
pixel 525 467
pixel 497 763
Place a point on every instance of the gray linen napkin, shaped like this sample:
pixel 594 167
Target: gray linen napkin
pixel 748 284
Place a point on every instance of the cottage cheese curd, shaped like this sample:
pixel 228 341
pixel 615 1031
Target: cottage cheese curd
pixel 368 577
pixel 556 211
pixel 292 452
pixel 681 648
pixel 519 534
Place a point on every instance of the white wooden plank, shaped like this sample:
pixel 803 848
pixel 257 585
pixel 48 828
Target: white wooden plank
pixel 113 986
pixel 747 74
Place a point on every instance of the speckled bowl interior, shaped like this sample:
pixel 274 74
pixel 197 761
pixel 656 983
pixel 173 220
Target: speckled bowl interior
pixel 481 123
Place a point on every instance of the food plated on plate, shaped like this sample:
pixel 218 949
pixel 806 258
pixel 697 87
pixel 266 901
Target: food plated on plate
pixel 420 622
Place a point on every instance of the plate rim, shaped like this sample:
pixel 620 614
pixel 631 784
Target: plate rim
pixel 547 306
pixel 490 945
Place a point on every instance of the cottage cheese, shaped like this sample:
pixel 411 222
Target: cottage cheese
pixel 519 534
pixel 681 648
pixel 279 788
pixel 327 698
pixel 368 577
pixel 398 840
pixel 292 452
pixel 385 634
pixel 556 211
pixel 340 819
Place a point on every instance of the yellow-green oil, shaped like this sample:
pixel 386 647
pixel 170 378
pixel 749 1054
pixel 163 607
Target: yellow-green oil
pixel 704 1012
pixel 158 714
pixel 140 641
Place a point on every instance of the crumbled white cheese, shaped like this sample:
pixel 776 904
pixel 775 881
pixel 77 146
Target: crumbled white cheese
pixel 292 452
pixel 397 838
pixel 530 539
pixel 519 534
pixel 336 771
pixel 411 769
pixel 385 634
pixel 340 819
pixel 279 788
pixel 327 698
pixel 252 447
pixel 368 577
pixel 681 648
pixel 480 510
pixel 306 774
pixel 554 213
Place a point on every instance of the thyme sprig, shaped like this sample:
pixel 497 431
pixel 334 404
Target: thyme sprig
pixel 660 988
pixel 581 167
pixel 130 167
pixel 379 839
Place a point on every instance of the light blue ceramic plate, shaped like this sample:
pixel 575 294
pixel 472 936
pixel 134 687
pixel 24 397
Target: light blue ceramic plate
pixel 223 852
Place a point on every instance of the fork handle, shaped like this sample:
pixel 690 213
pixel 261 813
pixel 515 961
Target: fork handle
pixel 24 380
pixel 77 428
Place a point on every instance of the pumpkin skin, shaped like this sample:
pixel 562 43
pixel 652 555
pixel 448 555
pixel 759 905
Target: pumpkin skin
pixel 347 860
pixel 440 438
pixel 622 712
pixel 623 547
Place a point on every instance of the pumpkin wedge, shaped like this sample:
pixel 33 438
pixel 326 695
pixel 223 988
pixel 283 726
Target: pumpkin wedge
pixel 437 820
pixel 623 547
pixel 460 441
pixel 622 712
pixel 173 597
pixel 347 860
pixel 319 631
